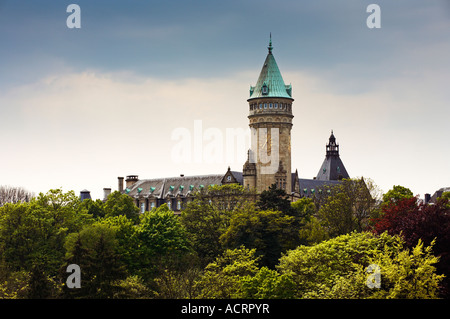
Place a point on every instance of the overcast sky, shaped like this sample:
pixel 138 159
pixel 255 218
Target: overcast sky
pixel 80 107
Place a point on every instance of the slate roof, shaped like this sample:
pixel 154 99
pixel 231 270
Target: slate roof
pixel 175 186
pixel 309 187
pixel 332 168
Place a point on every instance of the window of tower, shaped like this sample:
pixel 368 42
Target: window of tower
pixel 270 105
pixel 276 105
pixel 260 106
pixel 265 105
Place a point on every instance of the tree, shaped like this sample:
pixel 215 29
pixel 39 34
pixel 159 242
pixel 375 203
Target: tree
pixel 159 233
pixel 177 277
pixel 133 287
pixel 396 194
pixel 14 195
pixel 222 278
pixel 313 232
pixel 420 222
pixel 267 284
pixel 207 217
pixel 337 268
pixel 79 255
pixel 40 285
pixel 304 208
pixel 94 250
pixel 204 224
pixel 403 274
pixel 350 208
pixel 275 199
pixel 35 231
pixel 446 196
pixel 121 204
pixel 269 232
pixel 127 241
pixel 107 270
pixel 94 208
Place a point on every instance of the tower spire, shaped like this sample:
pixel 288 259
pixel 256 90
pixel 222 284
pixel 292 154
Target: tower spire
pixel 270 44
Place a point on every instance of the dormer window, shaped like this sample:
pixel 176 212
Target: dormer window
pixel 265 89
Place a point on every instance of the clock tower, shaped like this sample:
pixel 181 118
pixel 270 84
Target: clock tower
pixel 270 121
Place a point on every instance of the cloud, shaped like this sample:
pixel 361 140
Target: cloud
pixel 83 129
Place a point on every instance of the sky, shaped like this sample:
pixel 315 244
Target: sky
pixel 81 106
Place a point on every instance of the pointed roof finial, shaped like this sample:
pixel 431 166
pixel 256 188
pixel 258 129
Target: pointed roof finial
pixel 270 43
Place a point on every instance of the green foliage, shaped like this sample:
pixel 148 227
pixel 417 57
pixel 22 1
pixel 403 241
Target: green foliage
pixel 127 242
pixel 267 284
pixel 337 215
pixel 396 194
pixel 95 208
pixel 216 247
pixel 350 207
pixel 408 274
pixel 304 208
pixel 446 197
pixel 177 276
pixel 94 250
pixel 204 224
pixel 133 287
pixel 313 267
pixel 34 233
pixel 336 268
pixel 159 233
pixel 222 278
pixel 269 232
pixel 207 217
pixel 121 204
pixel 313 232
pixel 275 199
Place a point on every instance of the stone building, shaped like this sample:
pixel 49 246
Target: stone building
pixel 269 159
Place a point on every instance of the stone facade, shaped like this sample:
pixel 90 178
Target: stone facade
pixel 271 143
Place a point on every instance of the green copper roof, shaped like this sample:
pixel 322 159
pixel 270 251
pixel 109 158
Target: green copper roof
pixel 270 82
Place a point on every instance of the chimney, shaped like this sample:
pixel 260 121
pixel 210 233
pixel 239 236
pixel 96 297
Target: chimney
pixel 181 175
pixel 131 180
pixel 120 184
pixel 85 194
pixel 106 192
pixel 427 198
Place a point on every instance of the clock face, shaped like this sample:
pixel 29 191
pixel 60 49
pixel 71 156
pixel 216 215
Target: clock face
pixel 228 178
